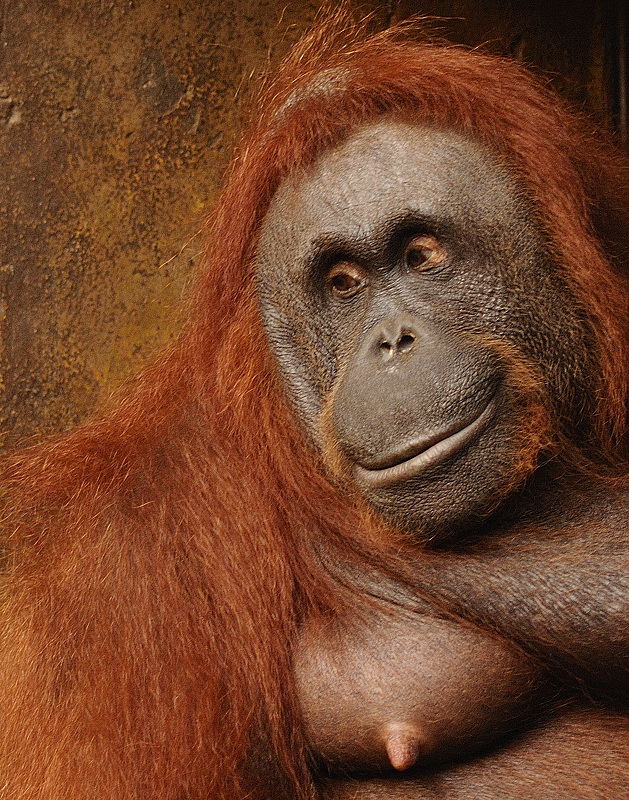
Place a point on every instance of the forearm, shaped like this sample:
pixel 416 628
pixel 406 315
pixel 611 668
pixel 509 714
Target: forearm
pixel 564 600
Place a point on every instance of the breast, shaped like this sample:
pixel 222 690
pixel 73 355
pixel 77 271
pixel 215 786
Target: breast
pixel 390 689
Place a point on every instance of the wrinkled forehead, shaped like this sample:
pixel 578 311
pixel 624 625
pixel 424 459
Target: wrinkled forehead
pixel 381 173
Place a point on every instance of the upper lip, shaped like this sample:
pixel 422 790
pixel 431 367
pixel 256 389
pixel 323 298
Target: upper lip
pixel 425 452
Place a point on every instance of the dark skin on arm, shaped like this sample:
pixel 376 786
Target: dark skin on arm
pixel 568 600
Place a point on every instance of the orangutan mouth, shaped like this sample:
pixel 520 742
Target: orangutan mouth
pixel 425 453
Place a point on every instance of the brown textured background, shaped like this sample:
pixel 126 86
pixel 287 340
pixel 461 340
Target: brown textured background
pixel 117 118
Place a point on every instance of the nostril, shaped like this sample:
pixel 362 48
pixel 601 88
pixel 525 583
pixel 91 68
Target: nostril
pixel 396 342
pixel 406 342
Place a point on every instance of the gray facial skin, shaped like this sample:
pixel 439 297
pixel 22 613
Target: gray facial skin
pixel 399 280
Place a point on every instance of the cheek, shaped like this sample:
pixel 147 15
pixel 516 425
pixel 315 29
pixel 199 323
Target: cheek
pixel 300 346
pixel 525 304
pixel 544 323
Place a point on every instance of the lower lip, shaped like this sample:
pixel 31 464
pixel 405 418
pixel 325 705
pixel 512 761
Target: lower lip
pixel 434 454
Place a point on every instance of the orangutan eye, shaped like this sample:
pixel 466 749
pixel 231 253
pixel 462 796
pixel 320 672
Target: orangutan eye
pixel 345 279
pixel 423 253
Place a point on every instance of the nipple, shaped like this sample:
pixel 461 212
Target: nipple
pixel 402 743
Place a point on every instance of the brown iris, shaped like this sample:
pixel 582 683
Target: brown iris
pixel 345 279
pixel 423 253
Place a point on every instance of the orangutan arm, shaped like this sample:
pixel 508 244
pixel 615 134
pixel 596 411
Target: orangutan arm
pixel 560 590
